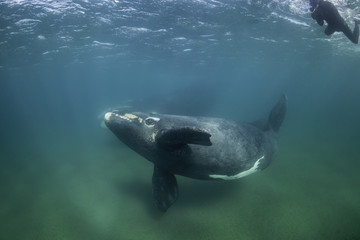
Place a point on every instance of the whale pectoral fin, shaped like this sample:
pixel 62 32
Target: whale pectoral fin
pixel 184 135
pixel 165 188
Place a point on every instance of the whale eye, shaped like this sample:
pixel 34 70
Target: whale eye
pixel 151 121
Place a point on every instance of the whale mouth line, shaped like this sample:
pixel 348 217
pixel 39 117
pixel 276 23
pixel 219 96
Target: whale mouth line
pixel 251 170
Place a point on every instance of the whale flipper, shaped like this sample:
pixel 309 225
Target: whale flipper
pixel 165 188
pixel 184 135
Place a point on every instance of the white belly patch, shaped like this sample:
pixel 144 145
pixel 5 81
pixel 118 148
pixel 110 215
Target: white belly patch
pixel 240 174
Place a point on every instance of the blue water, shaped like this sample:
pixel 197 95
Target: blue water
pixel 64 63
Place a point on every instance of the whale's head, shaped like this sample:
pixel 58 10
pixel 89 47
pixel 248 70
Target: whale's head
pixel 137 130
pixel 151 135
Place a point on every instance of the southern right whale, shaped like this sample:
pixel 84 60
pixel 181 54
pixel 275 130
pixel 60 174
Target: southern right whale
pixel 197 147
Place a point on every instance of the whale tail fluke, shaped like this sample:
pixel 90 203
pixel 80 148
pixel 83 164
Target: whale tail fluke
pixel 277 114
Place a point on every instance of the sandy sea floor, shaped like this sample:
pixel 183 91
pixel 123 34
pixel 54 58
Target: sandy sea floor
pixel 96 188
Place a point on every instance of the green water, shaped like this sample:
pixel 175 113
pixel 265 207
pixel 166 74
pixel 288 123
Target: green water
pixel 87 190
pixel 64 63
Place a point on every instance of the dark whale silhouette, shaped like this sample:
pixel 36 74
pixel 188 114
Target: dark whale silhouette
pixel 197 147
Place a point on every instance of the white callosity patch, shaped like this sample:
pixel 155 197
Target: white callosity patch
pixel 130 116
pixel 152 121
pixel 107 116
pixel 126 116
pixel 155 118
pixel 240 174
pixel 153 136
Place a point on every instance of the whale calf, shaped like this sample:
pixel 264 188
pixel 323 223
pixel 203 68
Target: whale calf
pixel 197 147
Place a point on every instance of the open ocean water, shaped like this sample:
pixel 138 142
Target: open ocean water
pixel 63 64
